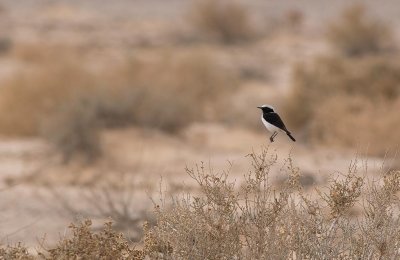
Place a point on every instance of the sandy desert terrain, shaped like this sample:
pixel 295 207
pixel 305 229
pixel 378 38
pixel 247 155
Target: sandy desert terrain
pixel 40 195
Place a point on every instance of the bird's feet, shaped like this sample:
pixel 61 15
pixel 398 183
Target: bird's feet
pixel 273 136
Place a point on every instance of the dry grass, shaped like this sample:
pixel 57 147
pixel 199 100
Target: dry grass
pixel 357 34
pixel 222 20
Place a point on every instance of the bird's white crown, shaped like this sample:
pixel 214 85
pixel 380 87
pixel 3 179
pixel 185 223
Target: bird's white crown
pixel 271 107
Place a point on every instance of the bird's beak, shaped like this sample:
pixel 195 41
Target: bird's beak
pixel 259 107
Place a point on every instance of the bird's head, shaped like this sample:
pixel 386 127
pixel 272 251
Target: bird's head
pixel 266 108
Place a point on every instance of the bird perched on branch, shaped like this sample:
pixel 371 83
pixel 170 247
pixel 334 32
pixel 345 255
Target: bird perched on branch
pixel 273 122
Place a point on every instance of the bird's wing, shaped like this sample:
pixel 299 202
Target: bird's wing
pixel 275 119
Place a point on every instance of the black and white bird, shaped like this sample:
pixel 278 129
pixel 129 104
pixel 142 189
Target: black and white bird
pixel 273 122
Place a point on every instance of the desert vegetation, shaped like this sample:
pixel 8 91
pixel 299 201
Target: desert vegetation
pixel 357 88
pixel 59 86
pixel 257 221
pixel 224 21
pixel 352 217
pixel 68 104
pixel 356 33
pixel 98 102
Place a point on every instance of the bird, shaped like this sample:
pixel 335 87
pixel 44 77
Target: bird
pixel 273 122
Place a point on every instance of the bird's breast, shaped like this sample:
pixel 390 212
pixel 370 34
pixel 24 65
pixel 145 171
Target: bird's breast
pixel 270 127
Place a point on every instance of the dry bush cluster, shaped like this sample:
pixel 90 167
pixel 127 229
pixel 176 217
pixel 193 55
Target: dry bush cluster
pixel 66 102
pixel 222 20
pixel 257 221
pixel 356 91
pixel 82 243
pixel 32 94
pixel 353 217
pixel 232 22
pixel 357 34
pixel 109 200
pixel 15 252
pixel 86 244
pixel 339 96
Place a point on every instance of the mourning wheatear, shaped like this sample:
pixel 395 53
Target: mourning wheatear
pixel 273 122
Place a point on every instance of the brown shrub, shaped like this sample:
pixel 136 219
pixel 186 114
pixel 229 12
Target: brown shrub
pixel 294 19
pixel 190 86
pixel 6 44
pixel 86 244
pixel 44 53
pixel 226 21
pixel 254 220
pixel 66 103
pixel 258 221
pixel 365 123
pixel 32 94
pixel 333 98
pixel 17 252
pixel 199 229
pixel 73 129
pixel 111 195
pixel 356 34
pixel 149 94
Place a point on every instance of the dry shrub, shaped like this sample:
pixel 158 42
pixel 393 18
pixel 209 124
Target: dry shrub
pixel 226 21
pixel 372 124
pixel 44 53
pixel 149 94
pixel 190 86
pixel 17 252
pixel 294 19
pixel 355 92
pixel 257 221
pixel 74 129
pixel 6 44
pixel 86 244
pixel 167 93
pixel 115 199
pixel 357 34
pixel 67 103
pixel 82 243
pixel 343 193
pixel 199 228
pixel 53 96
pixel 32 94
pixel 338 97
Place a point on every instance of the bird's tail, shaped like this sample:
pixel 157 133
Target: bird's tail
pixel 290 136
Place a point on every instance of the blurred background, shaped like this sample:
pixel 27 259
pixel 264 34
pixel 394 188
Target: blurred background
pixel 100 101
